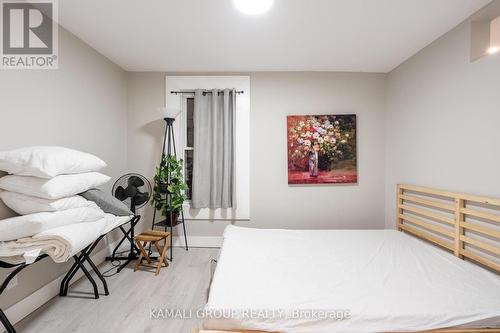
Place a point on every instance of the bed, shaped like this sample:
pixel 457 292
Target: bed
pixel 400 280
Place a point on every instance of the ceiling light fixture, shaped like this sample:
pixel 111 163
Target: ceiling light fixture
pixel 253 7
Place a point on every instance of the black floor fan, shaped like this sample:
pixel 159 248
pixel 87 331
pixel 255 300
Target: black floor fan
pixel 133 190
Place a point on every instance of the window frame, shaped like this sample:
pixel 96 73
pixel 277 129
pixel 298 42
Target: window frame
pixel 184 133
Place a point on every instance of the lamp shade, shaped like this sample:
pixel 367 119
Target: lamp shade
pixel 168 113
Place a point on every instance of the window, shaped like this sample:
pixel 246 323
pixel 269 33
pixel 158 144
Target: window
pixel 185 142
pixel 189 148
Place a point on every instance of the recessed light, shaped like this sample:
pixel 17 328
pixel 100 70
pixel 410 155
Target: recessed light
pixel 493 49
pixel 253 7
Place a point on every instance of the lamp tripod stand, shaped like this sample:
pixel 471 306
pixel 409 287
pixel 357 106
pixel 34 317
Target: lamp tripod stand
pixel 167 223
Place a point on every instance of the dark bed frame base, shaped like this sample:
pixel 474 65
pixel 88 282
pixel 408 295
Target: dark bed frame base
pixel 80 260
pixel 3 318
pixel 133 254
pixel 79 264
pixel 18 268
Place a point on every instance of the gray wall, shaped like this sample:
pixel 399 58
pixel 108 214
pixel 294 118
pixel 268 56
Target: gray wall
pixel 274 204
pixel 443 115
pixel 145 130
pixel 81 105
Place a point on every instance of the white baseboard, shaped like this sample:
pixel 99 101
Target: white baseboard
pixel 199 241
pixel 23 308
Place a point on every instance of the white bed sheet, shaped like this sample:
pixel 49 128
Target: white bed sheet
pixel 389 281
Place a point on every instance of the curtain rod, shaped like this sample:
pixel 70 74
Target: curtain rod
pixel 204 92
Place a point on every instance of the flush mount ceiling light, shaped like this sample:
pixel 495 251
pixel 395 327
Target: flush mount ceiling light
pixel 253 7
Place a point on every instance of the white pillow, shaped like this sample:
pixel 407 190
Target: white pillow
pixel 28 225
pixel 25 204
pixel 48 162
pixel 55 188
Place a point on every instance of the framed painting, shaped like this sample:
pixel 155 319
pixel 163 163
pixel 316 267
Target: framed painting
pixel 322 149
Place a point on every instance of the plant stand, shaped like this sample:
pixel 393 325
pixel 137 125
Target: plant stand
pixel 167 223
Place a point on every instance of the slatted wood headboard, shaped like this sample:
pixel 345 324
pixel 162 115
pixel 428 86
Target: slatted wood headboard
pixel 467 225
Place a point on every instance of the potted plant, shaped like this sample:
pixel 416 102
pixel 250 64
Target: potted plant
pixel 168 190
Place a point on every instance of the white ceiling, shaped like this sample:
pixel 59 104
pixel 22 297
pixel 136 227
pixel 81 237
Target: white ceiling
pixel 295 35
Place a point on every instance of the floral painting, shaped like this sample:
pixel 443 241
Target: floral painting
pixel 322 149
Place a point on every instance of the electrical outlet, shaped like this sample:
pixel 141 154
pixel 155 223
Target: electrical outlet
pixel 12 283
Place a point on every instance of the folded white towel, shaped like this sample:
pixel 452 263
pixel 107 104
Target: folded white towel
pixel 60 243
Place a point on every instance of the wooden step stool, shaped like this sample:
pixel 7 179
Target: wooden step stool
pixel 154 237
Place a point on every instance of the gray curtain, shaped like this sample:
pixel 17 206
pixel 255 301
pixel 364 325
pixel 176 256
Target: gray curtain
pixel 213 158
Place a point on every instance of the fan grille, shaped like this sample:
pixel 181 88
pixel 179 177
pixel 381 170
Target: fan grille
pixel 123 181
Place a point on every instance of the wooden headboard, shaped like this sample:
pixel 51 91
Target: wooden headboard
pixel 467 225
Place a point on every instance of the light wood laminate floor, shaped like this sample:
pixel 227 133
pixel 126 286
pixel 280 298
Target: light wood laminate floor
pixel 182 285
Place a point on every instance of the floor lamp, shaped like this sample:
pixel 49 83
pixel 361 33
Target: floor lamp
pixel 169 149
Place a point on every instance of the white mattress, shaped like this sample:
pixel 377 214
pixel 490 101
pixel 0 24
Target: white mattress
pixel 387 280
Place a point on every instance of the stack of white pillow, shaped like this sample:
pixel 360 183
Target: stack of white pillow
pixel 43 186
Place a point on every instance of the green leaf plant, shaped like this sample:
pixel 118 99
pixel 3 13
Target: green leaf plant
pixel 168 179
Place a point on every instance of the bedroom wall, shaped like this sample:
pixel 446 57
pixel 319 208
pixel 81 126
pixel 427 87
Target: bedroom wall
pixel 442 118
pixel 273 203
pixel 81 105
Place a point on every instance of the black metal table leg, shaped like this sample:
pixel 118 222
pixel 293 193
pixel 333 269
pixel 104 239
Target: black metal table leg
pixel 11 275
pixel 133 248
pixel 6 323
pixel 113 254
pixel 18 268
pixel 72 271
pixel 87 274
pixel 63 290
pixel 84 256
pixel 99 275
pixel 126 237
